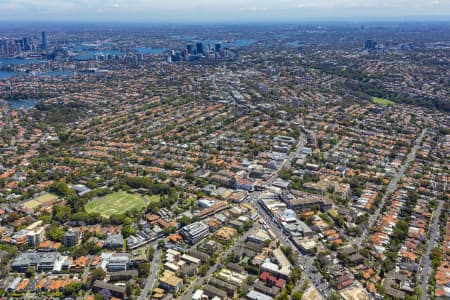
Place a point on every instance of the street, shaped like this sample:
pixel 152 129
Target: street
pixel 391 188
pixel 287 162
pixel 201 280
pixel 153 273
pixel 332 150
pixel 306 262
pixel 425 266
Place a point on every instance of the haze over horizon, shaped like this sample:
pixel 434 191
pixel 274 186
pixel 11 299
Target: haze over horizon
pixel 224 11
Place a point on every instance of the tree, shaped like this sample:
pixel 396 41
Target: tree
pixel 252 270
pixel 72 289
pixel 94 218
pixel 151 253
pixel 47 219
pixel 298 295
pixel 80 216
pixel 400 230
pixel 118 219
pixel 144 270
pixel 248 225
pixel 340 221
pixel 283 296
pixel 129 289
pixel 418 292
pixel 128 230
pixel 153 207
pixel 296 274
pixel 61 213
pixel 30 272
pixel 212 260
pixel 289 287
pixel 287 250
pixel 169 230
pixel 85 249
pixel 97 274
pixel 61 189
pixel 185 220
pixel 334 296
pixel 203 270
pixel 55 233
pixel 99 297
pixel 436 257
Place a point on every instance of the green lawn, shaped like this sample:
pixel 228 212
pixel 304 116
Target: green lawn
pixel 382 101
pixel 116 203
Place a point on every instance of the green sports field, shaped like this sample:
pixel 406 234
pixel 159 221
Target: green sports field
pixel 116 203
pixel 40 200
pixel 382 101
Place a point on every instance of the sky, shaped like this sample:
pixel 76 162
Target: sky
pixel 221 10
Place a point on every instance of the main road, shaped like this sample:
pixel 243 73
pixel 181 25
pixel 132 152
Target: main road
pixel 306 262
pixel 153 272
pixel 391 187
pixel 287 162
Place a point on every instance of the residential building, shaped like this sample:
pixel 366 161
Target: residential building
pixel 170 282
pixel 70 238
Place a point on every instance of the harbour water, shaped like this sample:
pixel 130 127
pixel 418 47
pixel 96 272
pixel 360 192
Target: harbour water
pixel 23 103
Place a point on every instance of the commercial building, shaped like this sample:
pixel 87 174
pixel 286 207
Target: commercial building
pixel 199 47
pixel 280 266
pixel 41 262
pixel 47 261
pixel 195 232
pixel 306 245
pixel 24 261
pixel 300 201
pixel 44 41
pixel 118 262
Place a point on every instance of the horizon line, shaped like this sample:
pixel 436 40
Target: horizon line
pixel 341 20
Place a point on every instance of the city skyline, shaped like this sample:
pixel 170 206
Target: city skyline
pixel 229 11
